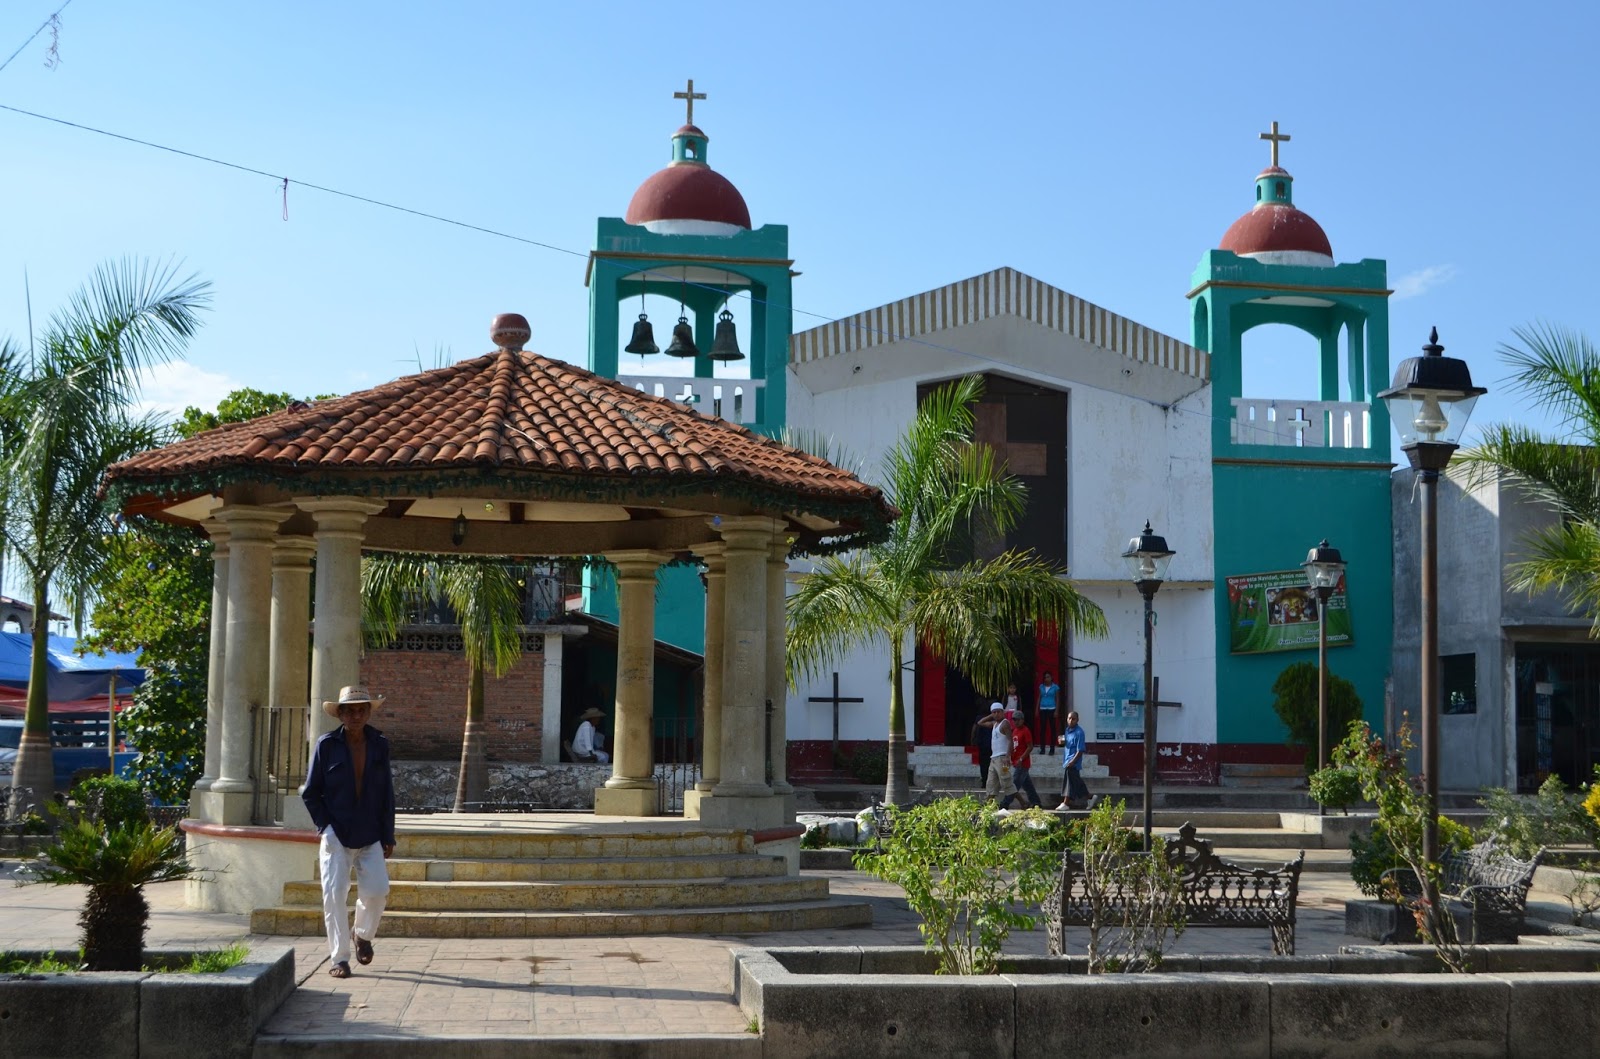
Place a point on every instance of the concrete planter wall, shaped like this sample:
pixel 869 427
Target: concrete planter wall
pixel 866 1002
pixel 142 1015
pixel 1335 829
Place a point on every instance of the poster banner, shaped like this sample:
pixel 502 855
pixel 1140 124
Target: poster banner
pixel 1114 718
pixel 1278 612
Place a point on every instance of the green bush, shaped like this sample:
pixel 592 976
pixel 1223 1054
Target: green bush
pixel 116 803
pixel 1371 856
pixel 1522 825
pixel 870 763
pixel 1335 787
pixel 1295 701
pixel 970 873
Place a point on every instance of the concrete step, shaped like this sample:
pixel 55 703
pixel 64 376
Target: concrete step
pixel 301 921
pixel 576 895
pixel 721 865
pixel 1263 775
pixel 487 842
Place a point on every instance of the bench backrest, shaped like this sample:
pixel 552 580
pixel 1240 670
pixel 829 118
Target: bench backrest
pixel 1486 864
pixel 1206 879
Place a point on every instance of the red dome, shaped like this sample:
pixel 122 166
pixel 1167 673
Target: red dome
pixel 688 192
pixel 1276 227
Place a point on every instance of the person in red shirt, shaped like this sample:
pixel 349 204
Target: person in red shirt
pixel 1021 759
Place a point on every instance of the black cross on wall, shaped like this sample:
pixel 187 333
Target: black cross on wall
pixel 836 699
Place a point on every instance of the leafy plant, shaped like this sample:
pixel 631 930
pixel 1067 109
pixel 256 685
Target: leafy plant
pixel 1371 856
pixel 216 961
pixel 49 963
pixel 112 801
pixel 869 763
pixel 1336 787
pixel 115 864
pixel 1135 898
pixel 1295 695
pixel 1552 817
pixel 969 873
pixel 1403 812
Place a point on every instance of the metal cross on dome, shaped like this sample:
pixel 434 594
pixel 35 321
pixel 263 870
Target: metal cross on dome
pixel 1275 136
pixel 689 95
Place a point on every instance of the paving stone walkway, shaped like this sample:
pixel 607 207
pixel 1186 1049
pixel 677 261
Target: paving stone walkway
pixel 647 986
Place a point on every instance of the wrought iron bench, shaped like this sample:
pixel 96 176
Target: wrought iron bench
pixel 1484 887
pixel 883 819
pixel 16 824
pixel 1215 893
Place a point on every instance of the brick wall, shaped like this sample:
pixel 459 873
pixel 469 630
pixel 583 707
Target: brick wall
pixel 427 704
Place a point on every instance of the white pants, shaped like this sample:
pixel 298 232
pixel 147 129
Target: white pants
pixel 372 888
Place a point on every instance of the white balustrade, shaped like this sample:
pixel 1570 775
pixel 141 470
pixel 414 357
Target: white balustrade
pixel 730 399
pixel 1302 424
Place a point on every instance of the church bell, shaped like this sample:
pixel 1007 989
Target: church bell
pixel 682 344
pixel 726 344
pixel 643 341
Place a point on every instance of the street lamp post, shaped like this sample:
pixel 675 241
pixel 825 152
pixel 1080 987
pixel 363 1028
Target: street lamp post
pixel 1324 568
pixel 1430 401
pixel 1148 557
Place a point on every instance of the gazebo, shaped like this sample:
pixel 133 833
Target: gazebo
pixel 515 454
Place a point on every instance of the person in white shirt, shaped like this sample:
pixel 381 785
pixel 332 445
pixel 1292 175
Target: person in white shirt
pixel 585 743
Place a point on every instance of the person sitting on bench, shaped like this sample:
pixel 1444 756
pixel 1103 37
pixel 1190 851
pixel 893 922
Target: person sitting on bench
pixel 585 742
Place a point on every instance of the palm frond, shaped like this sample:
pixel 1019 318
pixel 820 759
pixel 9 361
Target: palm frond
pixel 842 603
pixel 1565 477
pixel 1564 558
pixel 1559 369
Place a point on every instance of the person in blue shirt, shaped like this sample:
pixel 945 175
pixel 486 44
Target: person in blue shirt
pixel 349 793
pixel 1049 695
pixel 1076 795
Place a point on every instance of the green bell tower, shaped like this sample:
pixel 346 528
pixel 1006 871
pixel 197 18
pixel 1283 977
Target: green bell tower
pixel 687 237
pixel 1290 471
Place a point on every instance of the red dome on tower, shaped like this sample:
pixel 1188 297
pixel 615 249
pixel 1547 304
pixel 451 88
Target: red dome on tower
pixel 1276 230
pixel 688 196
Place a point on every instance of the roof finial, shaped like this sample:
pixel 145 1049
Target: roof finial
pixel 1275 136
pixel 689 95
pixel 510 331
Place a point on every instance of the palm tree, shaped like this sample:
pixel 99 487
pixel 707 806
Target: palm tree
pixel 65 415
pixel 947 489
pixel 487 601
pixel 1560 370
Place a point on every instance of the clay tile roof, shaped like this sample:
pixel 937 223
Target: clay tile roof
pixel 518 419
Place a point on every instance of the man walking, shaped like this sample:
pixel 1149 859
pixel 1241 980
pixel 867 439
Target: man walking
pixel 1072 743
pixel 999 785
pixel 349 793
pixel 1022 759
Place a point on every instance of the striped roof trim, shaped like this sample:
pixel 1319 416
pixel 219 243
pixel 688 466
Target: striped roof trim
pixel 1003 292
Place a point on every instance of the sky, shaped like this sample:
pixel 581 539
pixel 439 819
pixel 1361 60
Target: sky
pixel 1102 148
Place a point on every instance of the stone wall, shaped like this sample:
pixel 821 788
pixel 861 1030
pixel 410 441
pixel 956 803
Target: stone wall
pixel 432 784
pixel 426 685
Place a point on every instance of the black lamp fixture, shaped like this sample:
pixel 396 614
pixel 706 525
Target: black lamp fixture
pixel 1430 401
pixel 1148 557
pixel 1324 568
pixel 458 529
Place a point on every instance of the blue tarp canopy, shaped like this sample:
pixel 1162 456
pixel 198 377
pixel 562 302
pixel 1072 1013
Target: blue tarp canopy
pixel 71 677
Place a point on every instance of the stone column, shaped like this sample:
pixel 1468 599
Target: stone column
pixel 219 643
pixel 284 727
pixel 336 637
pixel 246 666
pixel 716 602
pixel 631 790
pixel 777 676
pixel 744 659
pixel 550 712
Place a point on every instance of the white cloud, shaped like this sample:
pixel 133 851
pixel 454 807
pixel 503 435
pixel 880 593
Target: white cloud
pixel 1415 284
pixel 170 388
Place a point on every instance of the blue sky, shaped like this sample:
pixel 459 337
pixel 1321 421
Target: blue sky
pixel 1100 147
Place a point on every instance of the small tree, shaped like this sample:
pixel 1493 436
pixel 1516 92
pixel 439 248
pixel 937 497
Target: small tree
pixel 1135 898
pixel 1295 694
pixel 1403 811
pixel 970 874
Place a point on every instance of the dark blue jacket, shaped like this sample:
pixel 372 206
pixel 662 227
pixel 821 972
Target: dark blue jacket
pixel 330 790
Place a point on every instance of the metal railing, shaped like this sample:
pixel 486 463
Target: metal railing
pixel 677 769
pixel 279 754
pixel 730 399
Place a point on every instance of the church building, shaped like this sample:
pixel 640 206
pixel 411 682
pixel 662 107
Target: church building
pixel 1108 422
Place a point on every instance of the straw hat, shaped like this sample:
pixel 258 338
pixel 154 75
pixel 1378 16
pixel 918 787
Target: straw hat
pixel 349 694
pixel 591 714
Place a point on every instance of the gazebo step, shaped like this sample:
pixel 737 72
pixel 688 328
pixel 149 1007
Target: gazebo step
pixel 794 915
pixel 524 869
pixel 412 842
pixel 579 896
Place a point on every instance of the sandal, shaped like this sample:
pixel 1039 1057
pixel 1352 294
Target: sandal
pixel 363 951
pixel 340 969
